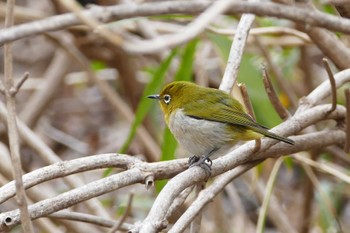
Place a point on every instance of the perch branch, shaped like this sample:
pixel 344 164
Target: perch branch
pixel 162 170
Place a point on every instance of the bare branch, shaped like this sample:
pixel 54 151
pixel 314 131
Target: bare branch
pixel 113 97
pixel 277 72
pixel 236 52
pixel 105 14
pixel 191 31
pixel 138 173
pixel 92 23
pixel 338 52
pixel 196 222
pixel 347 101
pixel 259 31
pixel 82 217
pixel 271 93
pixel 14 90
pixel 323 167
pixel 324 89
pixel 49 156
pixel 118 225
pixel 250 109
pixel 332 82
pixel 12 126
pixel 207 195
pixel 267 197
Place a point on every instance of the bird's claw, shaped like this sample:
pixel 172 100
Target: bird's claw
pixel 202 162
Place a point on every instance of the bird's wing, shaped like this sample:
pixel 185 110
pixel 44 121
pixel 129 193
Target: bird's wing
pixel 224 110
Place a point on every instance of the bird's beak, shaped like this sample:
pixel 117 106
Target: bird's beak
pixel 157 97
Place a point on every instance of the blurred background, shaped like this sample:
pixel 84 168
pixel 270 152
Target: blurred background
pixel 86 96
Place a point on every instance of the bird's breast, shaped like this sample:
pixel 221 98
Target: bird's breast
pixel 198 136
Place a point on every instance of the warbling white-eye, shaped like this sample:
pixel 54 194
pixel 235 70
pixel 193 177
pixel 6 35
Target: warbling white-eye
pixel 207 121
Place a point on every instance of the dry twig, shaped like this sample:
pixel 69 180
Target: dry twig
pixel 12 126
pixel 332 82
pixel 271 93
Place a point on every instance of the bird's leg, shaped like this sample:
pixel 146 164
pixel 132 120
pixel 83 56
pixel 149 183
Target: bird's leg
pixel 192 160
pixel 203 161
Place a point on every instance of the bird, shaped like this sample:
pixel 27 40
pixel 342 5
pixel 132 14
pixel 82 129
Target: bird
pixel 207 121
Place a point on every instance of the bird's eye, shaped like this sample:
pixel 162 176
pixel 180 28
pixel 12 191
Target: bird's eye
pixel 167 99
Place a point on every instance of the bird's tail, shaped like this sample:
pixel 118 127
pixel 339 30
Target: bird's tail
pixel 269 134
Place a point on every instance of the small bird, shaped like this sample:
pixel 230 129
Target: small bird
pixel 207 121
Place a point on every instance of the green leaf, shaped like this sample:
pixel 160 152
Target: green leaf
pixel 98 65
pixel 223 43
pixel 184 73
pixel 145 104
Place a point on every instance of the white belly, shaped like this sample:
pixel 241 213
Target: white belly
pixel 199 137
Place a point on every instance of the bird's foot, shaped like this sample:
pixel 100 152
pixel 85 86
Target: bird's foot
pixel 203 162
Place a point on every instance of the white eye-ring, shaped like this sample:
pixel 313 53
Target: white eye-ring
pixel 167 99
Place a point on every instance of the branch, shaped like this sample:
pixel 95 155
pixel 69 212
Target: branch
pixel 207 195
pixel 236 52
pixel 14 90
pixel 324 89
pixel 347 102
pixel 66 168
pixel 181 181
pixel 88 218
pixel 273 97
pixel 12 126
pixel 49 156
pixel 138 172
pixel 332 83
pixel 241 155
pixel 196 27
pixel 106 14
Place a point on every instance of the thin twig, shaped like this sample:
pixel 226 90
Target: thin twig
pixel 250 109
pixel 92 23
pixel 280 109
pixel 179 201
pixel 332 82
pixel 323 167
pixel 268 193
pixel 2 89
pixel 277 72
pixel 88 218
pixel 196 27
pixel 196 223
pixel 113 97
pixel 324 197
pixel 12 127
pixel 164 170
pixel 347 104
pixel 265 31
pixel 123 11
pixel 49 156
pixel 118 225
pixel 207 195
pixel 14 90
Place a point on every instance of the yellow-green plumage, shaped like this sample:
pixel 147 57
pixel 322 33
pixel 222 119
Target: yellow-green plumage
pixel 206 119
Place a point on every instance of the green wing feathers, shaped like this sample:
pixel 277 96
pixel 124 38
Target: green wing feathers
pixel 230 111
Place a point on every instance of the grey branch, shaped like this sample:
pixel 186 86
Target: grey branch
pixel 107 14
